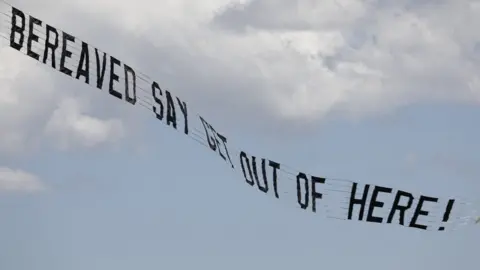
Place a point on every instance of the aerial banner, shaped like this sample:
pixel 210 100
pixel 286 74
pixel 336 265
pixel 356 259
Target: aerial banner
pixel 330 198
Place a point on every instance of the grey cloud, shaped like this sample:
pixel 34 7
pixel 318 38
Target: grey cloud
pixel 19 181
pixel 286 15
pixel 38 92
pixel 261 14
pixel 202 82
pixel 232 81
pixel 303 60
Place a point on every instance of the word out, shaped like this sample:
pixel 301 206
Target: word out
pixel 250 165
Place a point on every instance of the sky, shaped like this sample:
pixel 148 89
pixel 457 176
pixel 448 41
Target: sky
pixel 380 92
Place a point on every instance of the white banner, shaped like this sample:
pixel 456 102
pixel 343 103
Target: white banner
pixel 328 197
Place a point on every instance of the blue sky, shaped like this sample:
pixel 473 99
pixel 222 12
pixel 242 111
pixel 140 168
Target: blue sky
pixel 122 210
pixel 123 191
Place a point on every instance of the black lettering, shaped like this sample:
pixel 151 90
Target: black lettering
pixel 210 139
pixel 275 166
pixel 224 140
pixel 217 142
pixel 158 112
pixel 316 195
pixel 129 70
pixel 420 212
pixel 15 28
pixel 100 70
pixel 263 188
pixel 66 53
pixel 302 176
pixel 374 203
pixel 397 207
pixel 84 61
pixel 244 158
pixel 49 45
pixel 32 37
pixel 354 201
pixel 171 115
pixel 183 108
pixel 446 215
pixel 114 77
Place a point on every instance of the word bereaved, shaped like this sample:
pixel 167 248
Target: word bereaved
pixel 396 207
pixel 304 200
pixel 159 107
pixel 18 29
pixel 215 140
pixel 245 162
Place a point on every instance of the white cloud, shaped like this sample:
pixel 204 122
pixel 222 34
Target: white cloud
pixel 26 93
pixel 34 98
pixel 69 126
pixel 385 55
pixel 295 60
pixel 309 58
pixel 19 181
pixel 31 101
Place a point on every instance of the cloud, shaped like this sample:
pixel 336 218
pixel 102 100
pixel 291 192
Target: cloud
pixel 22 104
pixel 69 126
pixel 359 57
pixel 303 60
pixel 31 100
pixel 19 181
pixel 275 61
pixel 38 107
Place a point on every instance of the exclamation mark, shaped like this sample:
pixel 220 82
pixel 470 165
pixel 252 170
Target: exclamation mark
pixel 446 215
